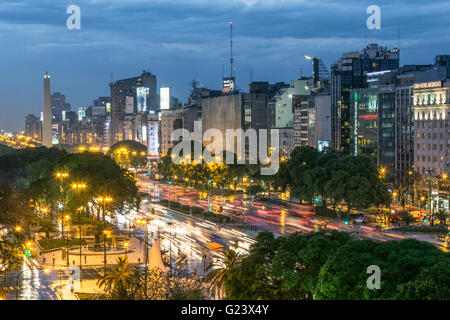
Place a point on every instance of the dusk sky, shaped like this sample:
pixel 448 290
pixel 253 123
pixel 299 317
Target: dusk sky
pixel 182 40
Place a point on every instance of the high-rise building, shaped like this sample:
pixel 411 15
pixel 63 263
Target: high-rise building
pixel 128 96
pixel 33 127
pixel 284 107
pixel 350 72
pixel 172 120
pixel 59 105
pixel 47 114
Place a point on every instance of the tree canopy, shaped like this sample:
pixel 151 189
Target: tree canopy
pixel 129 154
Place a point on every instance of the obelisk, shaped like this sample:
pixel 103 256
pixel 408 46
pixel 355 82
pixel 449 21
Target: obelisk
pixel 47 119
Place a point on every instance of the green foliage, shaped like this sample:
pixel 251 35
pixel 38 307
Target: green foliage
pixel 49 244
pixel 442 215
pixel 220 270
pixel 126 282
pixel 102 176
pixel 344 274
pixel 324 265
pixel 423 229
pixel 11 253
pixel 47 226
pixel 129 154
pixel 406 217
pixel 332 176
pixel 432 283
pixel 254 189
pixel 284 268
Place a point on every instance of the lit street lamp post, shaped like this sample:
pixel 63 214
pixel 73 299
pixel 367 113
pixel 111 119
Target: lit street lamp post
pixel 79 187
pixel 146 223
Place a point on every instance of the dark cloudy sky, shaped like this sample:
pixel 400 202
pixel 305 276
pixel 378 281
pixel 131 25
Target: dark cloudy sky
pixel 182 40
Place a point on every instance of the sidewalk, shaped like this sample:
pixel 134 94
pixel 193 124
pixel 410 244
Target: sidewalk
pixel 54 259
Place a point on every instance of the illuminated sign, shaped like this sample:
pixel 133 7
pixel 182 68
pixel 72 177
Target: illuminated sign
pixel 428 85
pixel 322 144
pixel 81 114
pixel 142 95
pixel 164 94
pixel 228 85
pixel 369 117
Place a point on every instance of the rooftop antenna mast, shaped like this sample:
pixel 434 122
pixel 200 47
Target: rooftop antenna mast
pixel 231 49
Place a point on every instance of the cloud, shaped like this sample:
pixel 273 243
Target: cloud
pixel 181 40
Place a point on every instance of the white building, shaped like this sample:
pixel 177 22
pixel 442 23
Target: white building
pixel 431 117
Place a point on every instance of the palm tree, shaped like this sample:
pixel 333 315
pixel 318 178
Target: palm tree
pixel 442 215
pixel 221 271
pixel 117 279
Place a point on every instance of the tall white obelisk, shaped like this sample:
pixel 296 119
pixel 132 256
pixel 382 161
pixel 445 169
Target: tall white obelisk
pixel 47 120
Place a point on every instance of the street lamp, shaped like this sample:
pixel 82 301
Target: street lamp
pixel 126 244
pixel 67 219
pixel 146 223
pixel 105 233
pixel 104 200
pixel 78 187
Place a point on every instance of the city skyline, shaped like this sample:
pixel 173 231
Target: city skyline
pixel 149 37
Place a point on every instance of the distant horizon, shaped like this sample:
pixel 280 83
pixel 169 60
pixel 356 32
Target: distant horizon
pixel 180 42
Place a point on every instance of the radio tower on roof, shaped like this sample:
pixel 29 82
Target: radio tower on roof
pixel 231 49
pixel 228 83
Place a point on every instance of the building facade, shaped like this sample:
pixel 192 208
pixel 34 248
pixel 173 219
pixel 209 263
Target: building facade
pixel 431 116
pixel 350 72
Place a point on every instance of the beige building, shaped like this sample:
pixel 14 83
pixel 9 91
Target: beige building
pixel 431 118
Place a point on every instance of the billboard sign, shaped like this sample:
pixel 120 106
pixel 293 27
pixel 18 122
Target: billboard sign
pixel 164 94
pixel 322 144
pixel 228 85
pixel 142 95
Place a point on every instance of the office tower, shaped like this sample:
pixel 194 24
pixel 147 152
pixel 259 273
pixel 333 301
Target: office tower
pixel 33 127
pixel 350 72
pixel 284 107
pixel 47 114
pixel 59 105
pixel 172 120
pixel 128 96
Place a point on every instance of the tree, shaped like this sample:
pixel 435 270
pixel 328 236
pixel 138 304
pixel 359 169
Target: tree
pixel 129 154
pixel 431 284
pixel 253 190
pixel 11 254
pixel 47 226
pixel 344 274
pixel 406 217
pixel 250 279
pixel 220 270
pixel 102 176
pixel 118 279
pixel 285 267
pixel 442 215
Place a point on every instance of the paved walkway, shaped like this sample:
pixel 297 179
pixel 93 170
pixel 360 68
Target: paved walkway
pixel 54 259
